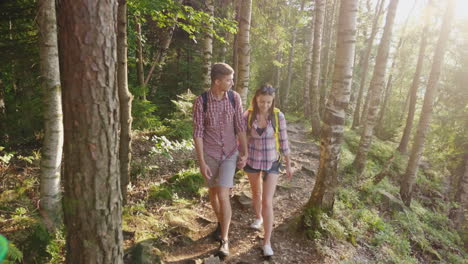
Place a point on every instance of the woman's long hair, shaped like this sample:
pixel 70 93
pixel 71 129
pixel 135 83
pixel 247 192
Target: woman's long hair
pixel 266 89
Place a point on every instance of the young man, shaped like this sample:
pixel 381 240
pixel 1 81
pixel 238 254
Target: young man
pixel 217 123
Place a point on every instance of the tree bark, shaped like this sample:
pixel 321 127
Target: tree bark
pixel 92 199
pixel 277 79
pixel 125 99
pixel 375 89
pixel 291 58
pixel 208 47
pixel 365 64
pixel 315 79
pixel 403 146
pixel 333 124
pixel 409 178
pixel 139 60
pixel 51 158
pixel 243 41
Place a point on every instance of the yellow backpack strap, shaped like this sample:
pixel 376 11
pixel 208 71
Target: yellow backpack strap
pixel 276 112
pixel 249 117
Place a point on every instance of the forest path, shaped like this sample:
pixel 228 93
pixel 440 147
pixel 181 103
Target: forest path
pixel 244 242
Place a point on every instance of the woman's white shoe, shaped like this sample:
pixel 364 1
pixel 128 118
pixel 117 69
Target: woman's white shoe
pixel 267 251
pixel 257 224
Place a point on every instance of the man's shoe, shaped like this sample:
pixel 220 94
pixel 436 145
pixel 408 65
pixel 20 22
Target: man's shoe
pixel 217 233
pixel 257 224
pixel 223 248
pixel 267 251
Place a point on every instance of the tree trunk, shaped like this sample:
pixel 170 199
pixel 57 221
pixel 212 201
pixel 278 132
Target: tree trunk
pixel 139 60
pixel 291 58
pixel 159 58
pixel 235 45
pixel 51 158
pixel 365 64
pixel 92 199
pixel 407 181
pixel 461 196
pixel 333 124
pixel 403 146
pixel 277 80
pixel 375 89
pixel 243 41
pixel 308 72
pixel 208 47
pixel 327 42
pixel 2 100
pixel 125 99
pixel 315 79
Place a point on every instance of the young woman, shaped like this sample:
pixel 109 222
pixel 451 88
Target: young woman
pixel 267 148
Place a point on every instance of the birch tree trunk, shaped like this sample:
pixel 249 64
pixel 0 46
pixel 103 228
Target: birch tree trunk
pixel 139 59
pixel 243 41
pixel 408 179
pixel 125 99
pixel 208 47
pixel 315 79
pixel 333 124
pixel 375 89
pixel 51 158
pixel 365 64
pixel 291 58
pixel 92 198
pixel 277 80
pixel 403 146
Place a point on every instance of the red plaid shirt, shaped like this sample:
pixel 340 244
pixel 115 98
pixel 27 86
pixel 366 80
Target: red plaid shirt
pixel 216 126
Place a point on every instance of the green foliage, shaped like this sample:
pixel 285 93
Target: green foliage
pixel 180 122
pixel 165 147
pixel 14 255
pixel 56 248
pixel 144 117
pixel 186 183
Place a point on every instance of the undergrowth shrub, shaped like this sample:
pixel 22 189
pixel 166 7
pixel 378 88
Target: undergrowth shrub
pixel 186 184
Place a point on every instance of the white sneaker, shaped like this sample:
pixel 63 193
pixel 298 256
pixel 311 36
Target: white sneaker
pixel 257 224
pixel 267 251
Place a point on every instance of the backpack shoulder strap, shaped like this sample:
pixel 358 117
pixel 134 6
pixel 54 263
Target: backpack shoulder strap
pixel 276 112
pixel 232 99
pixel 204 96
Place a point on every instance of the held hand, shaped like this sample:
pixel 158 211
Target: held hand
pixel 205 171
pixel 242 161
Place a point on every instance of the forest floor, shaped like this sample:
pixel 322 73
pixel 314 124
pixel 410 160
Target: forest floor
pixel 196 245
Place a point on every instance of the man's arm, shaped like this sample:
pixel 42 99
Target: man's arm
pixel 204 169
pixel 243 149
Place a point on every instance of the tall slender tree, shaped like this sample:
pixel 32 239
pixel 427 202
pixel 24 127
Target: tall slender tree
pixel 327 42
pixel 92 198
pixel 125 99
pixel 409 178
pixel 333 124
pixel 308 70
pixel 412 94
pixel 243 43
pixel 139 58
pixel 208 46
pixel 365 63
pixel 315 78
pixel 51 204
pixel 375 89
pixel 291 58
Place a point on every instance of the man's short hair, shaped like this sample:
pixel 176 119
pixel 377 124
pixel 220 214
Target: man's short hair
pixel 219 70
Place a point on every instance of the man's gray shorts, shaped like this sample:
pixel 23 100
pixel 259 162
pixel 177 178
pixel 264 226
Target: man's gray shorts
pixel 222 171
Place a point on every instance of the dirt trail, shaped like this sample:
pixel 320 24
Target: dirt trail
pixel 245 243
